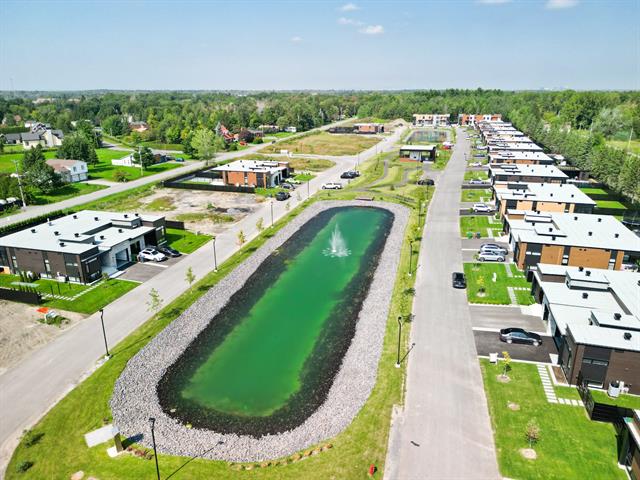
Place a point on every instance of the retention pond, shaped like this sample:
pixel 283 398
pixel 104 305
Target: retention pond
pixel 266 361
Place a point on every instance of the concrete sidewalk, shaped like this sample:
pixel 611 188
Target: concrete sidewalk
pixel 31 388
pixel 443 431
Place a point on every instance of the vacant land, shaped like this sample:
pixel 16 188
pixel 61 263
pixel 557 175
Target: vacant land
pixel 21 330
pixel 484 225
pixel 442 159
pixel 323 143
pixel 633 146
pixel 570 446
pixel 64 192
pixel 488 282
pixel 475 195
pixel 185 241
pixel 609 202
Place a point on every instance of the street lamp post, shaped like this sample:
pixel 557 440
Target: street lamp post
pixel 308 192
pixel 410 255
pixel 152 421
pixel 104 333
pixel 399 340
pixel 272 213
pixel 215 257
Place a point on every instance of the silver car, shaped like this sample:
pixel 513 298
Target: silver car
pixel 490 257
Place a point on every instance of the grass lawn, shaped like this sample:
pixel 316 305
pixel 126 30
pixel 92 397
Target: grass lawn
pixel 594 191
pixel 362 443
pixel 102 295
pixel 570 447
pixel 476 175
pixel 479 224
pixel 624 400
pixel 304 177
pixel 66 191
pixel 608 200
pixel 185 241
pixel 475 195
pixel 442 159
pixel 323 143
pixel 634 145
pixel 6 160
pixel 481 275
pixel 163 146
pixel 213 217
pixel 612 204
pixel 105 170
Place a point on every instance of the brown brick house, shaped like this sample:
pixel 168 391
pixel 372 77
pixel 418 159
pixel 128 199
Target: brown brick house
pixel 256 173
pixel 519 198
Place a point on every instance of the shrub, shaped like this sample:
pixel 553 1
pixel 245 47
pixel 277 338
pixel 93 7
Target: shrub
pixel 24 466
pixel 120 176
pixel 31 438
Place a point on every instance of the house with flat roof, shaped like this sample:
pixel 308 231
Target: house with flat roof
pixel 507 138
pixel 82 246
pixel 69 171
pixel 502 173
pixel 473 119
pixel 541 197
pixel 431 119
pixel 419 153
pixel 515 146
pixel 575 239
pixel 593 316
pixel 254 173
pixel 368 128
pixel 522 158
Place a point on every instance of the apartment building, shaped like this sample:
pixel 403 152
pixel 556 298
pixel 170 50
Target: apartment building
pixel 431 119
pixel 474 119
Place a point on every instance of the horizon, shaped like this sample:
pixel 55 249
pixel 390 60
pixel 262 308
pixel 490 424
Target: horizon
pixel 549 45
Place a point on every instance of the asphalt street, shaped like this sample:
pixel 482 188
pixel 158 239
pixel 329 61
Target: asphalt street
pixel 31 388
pixel 443 431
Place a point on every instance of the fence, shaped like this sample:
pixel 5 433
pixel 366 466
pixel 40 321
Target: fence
pixel 174 224
pixel 601 412
pixel 33 298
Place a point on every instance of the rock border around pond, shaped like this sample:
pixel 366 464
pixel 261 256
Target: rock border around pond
pixel 135 399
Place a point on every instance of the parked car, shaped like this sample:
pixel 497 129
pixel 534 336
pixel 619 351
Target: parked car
pixel 179 159
pixel 350 174
pixel 287 185
pixel 482 208
pixel 477 181
pixel 151 255
pixel 458 280
pixel 282 195
pixel 475 164
pixel 168 251
pixel 293 181
pixel 332 186
pixel 519 335
pixel 485 247
pixel 490 257
pixel 426 181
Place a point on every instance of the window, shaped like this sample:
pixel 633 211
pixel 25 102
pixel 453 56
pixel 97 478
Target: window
pixel 594 361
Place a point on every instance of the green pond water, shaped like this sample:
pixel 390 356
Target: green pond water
pixel 257 366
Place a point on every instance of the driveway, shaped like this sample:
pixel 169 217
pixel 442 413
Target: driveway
pixel 496 317
pixel 141 272
pixel 488 342
pixel 468 254
pixel 443 431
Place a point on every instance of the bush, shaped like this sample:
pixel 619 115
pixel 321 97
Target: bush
pixel 24 466
pixel 258 140
pixel 31 438
pixel 120 176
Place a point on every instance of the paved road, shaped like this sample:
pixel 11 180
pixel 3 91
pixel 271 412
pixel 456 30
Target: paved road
pixel 37 210
pixel 444 431
pixel 28 390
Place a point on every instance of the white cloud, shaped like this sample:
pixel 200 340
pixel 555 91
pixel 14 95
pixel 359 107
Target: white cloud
pixel 372 30
pixel 296 39
pixel 349 7
pixel 349 21
pixel 558 4
pixel 494 2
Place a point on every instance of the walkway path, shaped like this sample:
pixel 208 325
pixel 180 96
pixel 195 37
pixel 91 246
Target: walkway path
pixel 29 389
pixel 550 392
pixel 443 431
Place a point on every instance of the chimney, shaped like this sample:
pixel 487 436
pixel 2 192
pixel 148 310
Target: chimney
pixel 617 316
pixel 585 295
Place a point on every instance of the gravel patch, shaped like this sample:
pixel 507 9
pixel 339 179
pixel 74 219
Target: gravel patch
pixel 135 399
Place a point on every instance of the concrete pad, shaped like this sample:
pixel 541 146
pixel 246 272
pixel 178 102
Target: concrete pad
pixel 498 317
pixel 100 435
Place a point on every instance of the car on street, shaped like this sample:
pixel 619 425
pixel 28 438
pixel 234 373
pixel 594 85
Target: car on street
pixel 493 247
pixel 426 181
pixel 168 251
pixel 482 208
pixel 348 175
pixel 458 280
pixel 519 335
pixel 151 255
pixel 282 195
pixel 477 181
pixel 490 257
pixel 332 186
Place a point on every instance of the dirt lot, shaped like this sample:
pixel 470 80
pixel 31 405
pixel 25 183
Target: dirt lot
pixel 21 332
pixel 325 144
pixel 205 212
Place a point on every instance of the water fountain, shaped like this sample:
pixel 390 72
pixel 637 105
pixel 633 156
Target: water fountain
pixel 337 245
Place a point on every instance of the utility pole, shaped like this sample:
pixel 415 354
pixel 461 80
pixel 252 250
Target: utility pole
pixel 104 334
pixel 399 340
pixel 24 202
pixel 140 159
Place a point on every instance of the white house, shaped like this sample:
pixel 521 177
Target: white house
pixel 70 171
pixel 290 129
pixel 126 161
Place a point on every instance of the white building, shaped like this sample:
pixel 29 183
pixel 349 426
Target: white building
pixel 70 171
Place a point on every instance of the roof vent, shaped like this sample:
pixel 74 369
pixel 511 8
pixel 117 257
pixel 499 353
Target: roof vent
pixel 33 230
pixel 126 215
pixel 62 244
pixel 585 295
pixel 627 335
pixel 56 233
pixel 119 230
pixel 551 195
pixel 599 219
pixel 101 237
pixel 575 218
pixel 588 273
pixel 76 235
pixel 137 214
pixel 616 235
pixel 590 234
pixel 96 218
pixel 580 269
pixel 617 316
pixel 572 195
pixel 75 216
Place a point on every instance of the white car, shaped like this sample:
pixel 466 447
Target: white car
pixel 475 164
pixel 151 255
pixel 477 181
pixel 490 257
pixel 332 186
pixel 492 247
pixel 482 208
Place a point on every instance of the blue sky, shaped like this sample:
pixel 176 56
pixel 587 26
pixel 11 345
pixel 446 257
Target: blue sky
pixel 261 44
